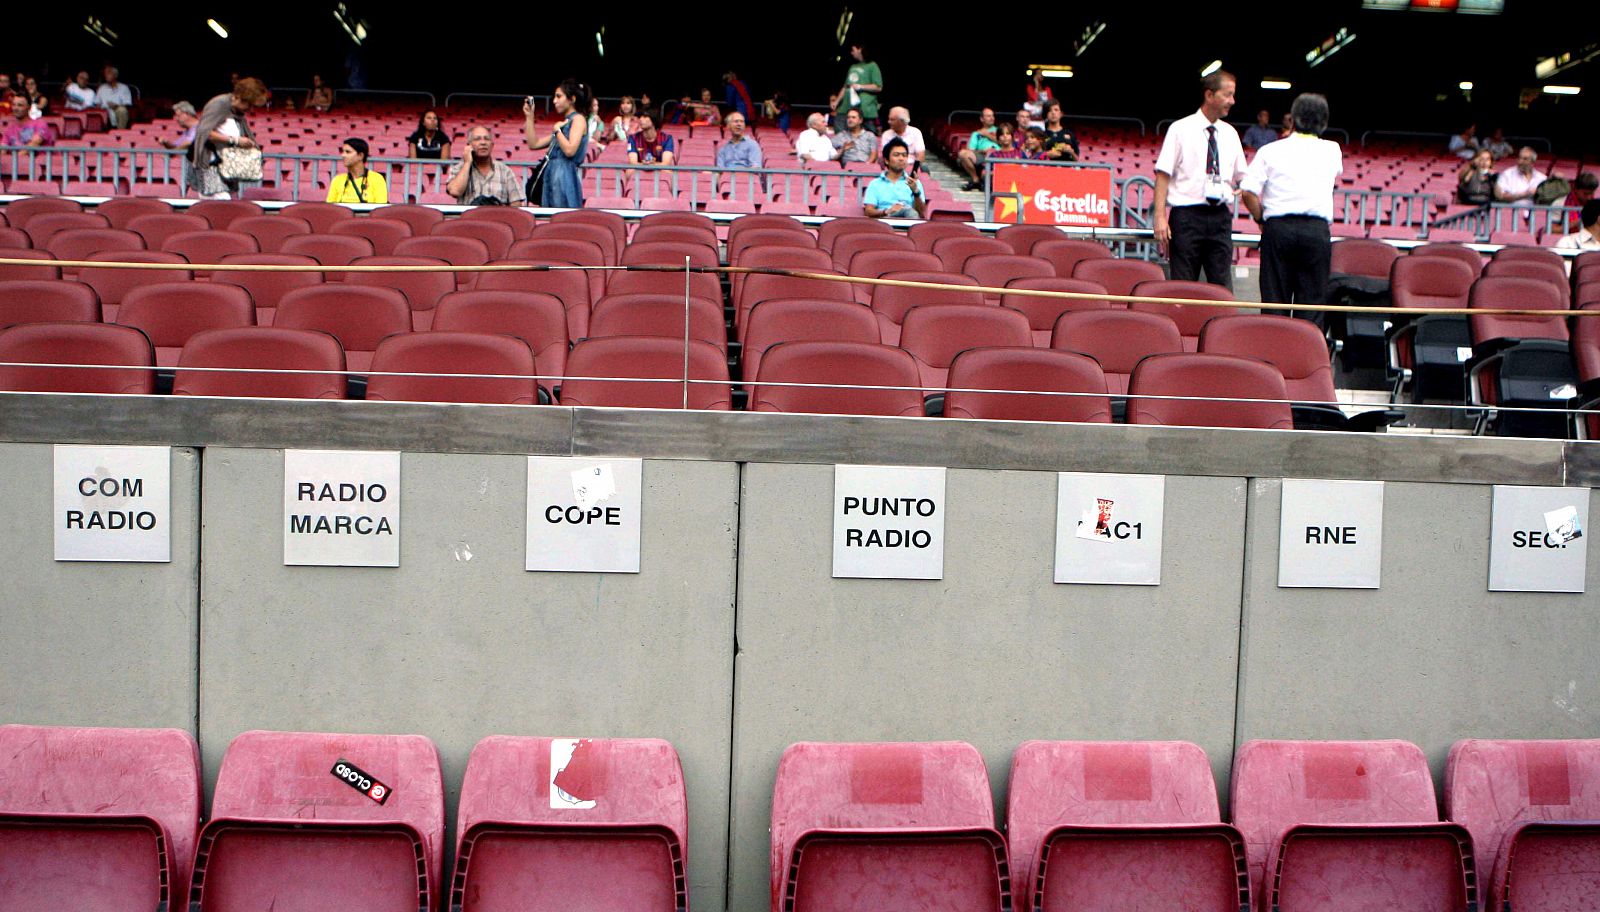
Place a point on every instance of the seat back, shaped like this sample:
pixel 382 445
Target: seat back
pixel 925 234
pixel 1554 274
pixel 856 363
pixel 330 250
pixel 616 224
pixel 1586 344
pixel 1509 293
pixel 81 243
pixel 1065 255
pixel 157 227
pixel 267 288
pixel 1039 370
pixel 384 233
pixel 457 251
pixel 658 315
pixel 765 222
pixel 1220 376
pixel 496 237
pixel 1431 281
pixel 269 347
pixel 1119 277
pixel 41 228
pixel 954 251
pixel 847 246
pixel 669 253
pixel 123 209
pixel 112 285
pixel 836 228
pixel 171 312
pixel 803 320
pixel 322 216
pixel 699 235
pixel 422 289
pixel 19 212
pixel 1363 257
pixel 994 270
pixel 222 213
pixel 453 353
pixel 358 316
pixel 891 303
pixel 41 301
pixel 646 357
pixel 935 333
pixel 420 218
pixel 598 235
pixel 537 319
pixel 570 286
pixel 1117 339
pixel 46 270
pixel 1458 252
pixel 270 231
pixel 209 246
pixel 1294 346
pixel 76 343
pixel 1023 237
pixel 519 220
pixel 1191 318
pixel 1042 312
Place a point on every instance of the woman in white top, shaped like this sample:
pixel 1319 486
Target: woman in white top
pixel 626 123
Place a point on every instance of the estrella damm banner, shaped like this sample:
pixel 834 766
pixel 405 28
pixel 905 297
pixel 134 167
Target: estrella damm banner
pixel 1052 194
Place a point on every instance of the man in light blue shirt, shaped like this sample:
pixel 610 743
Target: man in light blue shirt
pixel 894 193
pixel 738 150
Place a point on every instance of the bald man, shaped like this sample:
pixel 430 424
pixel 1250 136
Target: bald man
pixel 900 128
pixel 813 143
pixel 979 145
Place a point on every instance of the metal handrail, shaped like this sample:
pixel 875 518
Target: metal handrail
pixel 542 101
pixel 796 183
pixel 1415 134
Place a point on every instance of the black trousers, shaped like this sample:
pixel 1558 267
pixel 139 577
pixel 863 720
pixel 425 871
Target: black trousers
pixel 1202 238
pixel 1296 251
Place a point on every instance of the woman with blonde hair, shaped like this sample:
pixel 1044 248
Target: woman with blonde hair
pixel 223 125
pixel 626 123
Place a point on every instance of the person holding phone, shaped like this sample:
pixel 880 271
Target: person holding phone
pixel 894 193
pixel 478 179
pixel 567 141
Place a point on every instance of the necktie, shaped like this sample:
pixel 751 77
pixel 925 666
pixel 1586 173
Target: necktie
pixel 1213 160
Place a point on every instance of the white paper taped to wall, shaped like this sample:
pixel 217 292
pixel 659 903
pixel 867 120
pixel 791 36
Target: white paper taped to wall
pixel 1563 524
pixel 593 485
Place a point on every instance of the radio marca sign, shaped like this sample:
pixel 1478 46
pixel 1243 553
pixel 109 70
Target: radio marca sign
pixel 1052 194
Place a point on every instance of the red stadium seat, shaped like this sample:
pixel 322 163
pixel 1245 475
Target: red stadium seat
pixel 1042 313
pixel 47 301
pixel 1034 369
pixel 570 286
pixel 1455 252
pixel 1347 825
pixel 1513 293
pixel 422 289
pixel 646 357
pixel 270 231
pixel 1586 344
pixel 1023 237
pixel 596 234
pixel 1362 257
pixel 757 238
pixel 678 219
pixel 1065 255
pixel 668 281
pixel 42 228
pixel 891 302
pixel 10 271
pixel 1554 274
pixel 995 270
pixel 885 828
pixel 330 250
pixel 954 251
pixel 97 819
pixel 520 221
pixel 262 850
pixel 157 228
pixel 835 228
pixel 123 209
pixel 854 363
pixel 19 212
pixel 758 288
pixel 626 851
pixel 1121 825
pixel 81 243
pixel 267 288
pixel 792 258
pixel 496 237
pixel 76 343
pixel 1219 376
pixel 359 317
pixel 171 312
pixel 659 233
pixel 269 347
pixel 222 213
pixel 669 253
pixel 15 239
pixel 612 222
pixel 803 320
pixel 1118 339
pixel 925 234
pixel 454 353
pixel 935 333
pixel 1531 807
pixel 1118 276
pixel 322 216
pixel 209 247
pixel 1191 318
pixel 765 222
pixel 457 251
pixel 550 249
pixel 384 233
pixel 1295 347
pixel 878 263
pixel 847 246
pixel 537 319
pixel 420 218
pixel 1433 280
pixel 658 315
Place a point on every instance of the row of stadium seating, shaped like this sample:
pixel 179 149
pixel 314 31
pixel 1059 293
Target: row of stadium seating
pixel 94 819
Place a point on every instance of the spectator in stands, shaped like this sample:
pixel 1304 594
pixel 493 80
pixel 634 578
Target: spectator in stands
pixel 813 143
pixel 1024 123
pixel 567 141
pixel 1032 147
pixel 1517 185
pixel 650 146
pixel 900 128
pixel 738 150
pixel 1497 145
pixel 1475 180
pixel 184 113
pixel 1289 192
pixel 894 193
pixel 597 128
pixel 704 111
pixel 22 130
pixel 777 108
pixel 1060 143
pixel 979 145
pixel 115 97
pixel 862 83
pixel 737 94
pixel 1201 162
pixel 644 106
pixel 1038 94
pixel 79 95
pixel 626 123
pixel 1587 237
pixel 38 99
pixel 358 183
pixel 855 142
pixel 429 139
pixel 1464 145
pixel 319 97
pixel 1582 192
pixel 1288 127
pixel 1261 132
pixel 223 123
pixel 7 89
pixel 479 179
pixel 1005 135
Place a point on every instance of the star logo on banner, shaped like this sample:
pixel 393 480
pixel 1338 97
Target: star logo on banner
pixel 1006 206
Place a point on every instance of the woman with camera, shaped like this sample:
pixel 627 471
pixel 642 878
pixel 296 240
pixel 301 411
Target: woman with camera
pixel 567 142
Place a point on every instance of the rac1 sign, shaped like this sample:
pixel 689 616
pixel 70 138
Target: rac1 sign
pixel 1053 194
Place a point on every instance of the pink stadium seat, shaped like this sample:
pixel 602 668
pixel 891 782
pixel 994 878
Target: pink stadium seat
pixel 1219 376
pixel 995 270
pixel 578 233
pixel 454 353
pixel 517 849
pixel 420 218
pixel 891 302
pixel 885 828
pixel 954 251
pixel 422 289
pixel 270 231
pixel 803 320
pixel 359 317
pixel 384 233
pixel 1457 252
pixel 935 333
pixel 261 849
pixel 14 239
pixel 157 228
pixel 520 221
pixel 1533 809
pixel 1347 825
pixel 1065 255
pixel 836 228
pixel 1033 369
pixel 76 343
pixel 121 210
pixel 570 286
pixel 97 819
pixel 646 358
pixel 1118 339
pixel 80 243
pixel 785 208
pixel 1513 293
pixel 608 220
pixel 329 250
pixel 1189 317
pixel 1022 238
pixel 209 247
pixel 496 237
pixel 1121 825
pixel 10 271
pixel 267 288
pixel 925 234
pixel 1118 276
pixel 758 288
pixel 269 347
pixel 1357 256
pixel 658 315
pixel 837 362
pixel 608 202
pixel 19 212
pixel 875 263
pixel 1042 312
pixel 537 319
pixel 222 213
pixel 47 301
pixel 322 216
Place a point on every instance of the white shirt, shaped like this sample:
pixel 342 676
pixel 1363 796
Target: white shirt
pixel 1295 176
pixel 1578 240
pixel 814 145
pixel 107 97
pixel 1511 182
pixel 1183 159
pixel 79 97
pixel 912 137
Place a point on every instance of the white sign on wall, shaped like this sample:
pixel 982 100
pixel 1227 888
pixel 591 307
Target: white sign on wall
pixel 341 508
pixel 1108 528
pixel 1539 539
pixel 1330 534
pixel 584 515
pixel 888 522
pixel 113 503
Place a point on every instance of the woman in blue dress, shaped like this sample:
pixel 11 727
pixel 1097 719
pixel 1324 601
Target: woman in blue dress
pixel 567 141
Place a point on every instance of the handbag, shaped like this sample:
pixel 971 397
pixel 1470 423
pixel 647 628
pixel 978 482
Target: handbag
pixel 240 164
pixel 533 190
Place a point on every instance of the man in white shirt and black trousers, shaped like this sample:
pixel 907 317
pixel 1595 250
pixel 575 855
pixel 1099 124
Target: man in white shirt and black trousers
pixel 1201 162
pixel 1289 191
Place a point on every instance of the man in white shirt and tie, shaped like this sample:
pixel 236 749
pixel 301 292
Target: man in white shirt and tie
pixel 1201 163
pixel 1289 192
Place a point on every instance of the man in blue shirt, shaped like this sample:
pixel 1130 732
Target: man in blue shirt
pixel 894 193
pixel 738 150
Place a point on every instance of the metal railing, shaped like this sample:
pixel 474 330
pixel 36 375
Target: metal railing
pixel 1384 207
pixel 541 102
pixel 300 91
pixel 703 183
pixel 1444 138
pixel 1508 218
